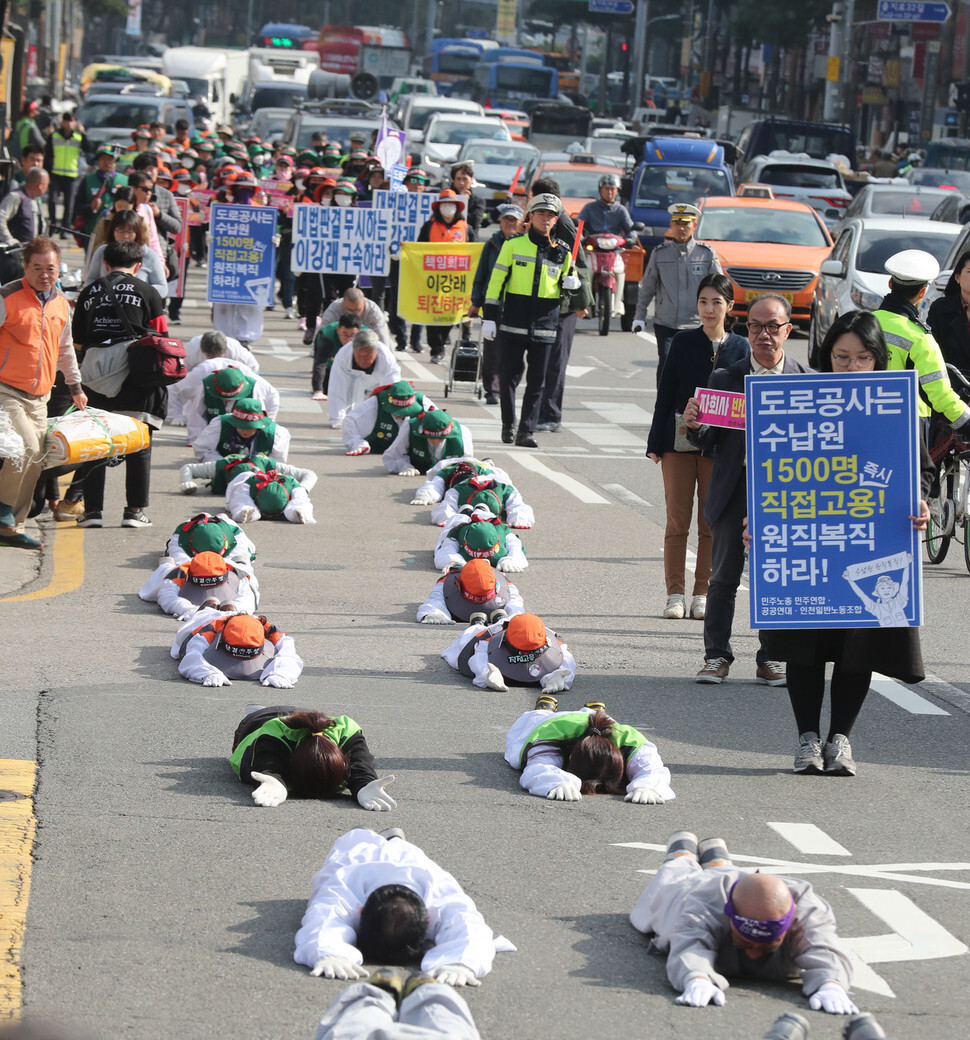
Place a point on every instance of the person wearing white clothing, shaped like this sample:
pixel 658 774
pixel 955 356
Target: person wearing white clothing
pixel 425 441
pixel 714 920
pixel 373 425
pixel 474 594
pixel 217 344
pixel 501 497
pixel 478 535
pixel 381 899
pixel 195 395
pixel 246 430
pixel 208 532
pixel 207 579
pixel 268 496
pixel 233 465
pixel 563 755
pixel 359 367
pixel 450 471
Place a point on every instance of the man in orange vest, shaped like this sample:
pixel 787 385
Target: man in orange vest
pixel 35 340
pixel 447 224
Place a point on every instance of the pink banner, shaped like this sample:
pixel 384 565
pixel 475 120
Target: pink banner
pixel 181 244
pixel 720 408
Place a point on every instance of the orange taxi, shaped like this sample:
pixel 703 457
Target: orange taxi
pixel 766 245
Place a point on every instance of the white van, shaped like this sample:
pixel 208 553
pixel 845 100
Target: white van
pixel 419 108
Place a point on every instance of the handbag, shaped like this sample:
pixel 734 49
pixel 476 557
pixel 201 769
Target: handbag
pixel 681 443
pixel 104 369
pixel 154 361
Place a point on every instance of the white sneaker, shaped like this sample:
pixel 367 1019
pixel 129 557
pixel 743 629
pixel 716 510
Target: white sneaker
pixel 290 313
pixel 676 608
pixel 698 607
pixel 318 395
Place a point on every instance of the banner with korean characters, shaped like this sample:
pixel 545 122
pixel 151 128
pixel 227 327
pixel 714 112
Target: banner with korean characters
pixel 199 201
pixel 436 281
pixel 180 243
pixel 722 408
pixel 833 477
pixel 242 254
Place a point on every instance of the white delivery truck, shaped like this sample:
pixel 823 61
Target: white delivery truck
pixel 215 76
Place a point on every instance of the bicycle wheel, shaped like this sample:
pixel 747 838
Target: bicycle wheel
pixel 937 541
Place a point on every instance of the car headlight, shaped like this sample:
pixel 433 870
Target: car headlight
pixel 864 299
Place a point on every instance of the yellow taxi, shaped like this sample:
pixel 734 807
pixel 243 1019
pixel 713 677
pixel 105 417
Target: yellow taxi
pixel 578 178
pixel 766 245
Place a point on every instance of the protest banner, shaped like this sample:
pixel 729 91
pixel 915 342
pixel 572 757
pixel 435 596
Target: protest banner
pixel 410 210
pixel 722 408
pixel 833 476
pixel 180 243
pixel 436 281
pixel 200 200
pixel 242 256
pixel 279 194
pixel 335 240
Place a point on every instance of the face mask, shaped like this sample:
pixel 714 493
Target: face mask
pixel 447 211
pixel 242 196
pixel 284 173
pixel 299 183
pixel 182 188
pixel 342 199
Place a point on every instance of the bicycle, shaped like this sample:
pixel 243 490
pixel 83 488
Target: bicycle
pixel 949 501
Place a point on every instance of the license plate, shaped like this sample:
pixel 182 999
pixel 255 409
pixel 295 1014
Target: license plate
pixel 500 196
pixel 753 294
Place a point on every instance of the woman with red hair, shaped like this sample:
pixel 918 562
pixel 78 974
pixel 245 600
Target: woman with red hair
pixel 284 750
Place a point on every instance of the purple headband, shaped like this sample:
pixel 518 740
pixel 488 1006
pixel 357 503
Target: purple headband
pixel 759 931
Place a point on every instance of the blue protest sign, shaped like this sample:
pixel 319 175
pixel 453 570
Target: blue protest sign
pixel 410 210
pixel 337 240
pixel 833 476
pixel 242 257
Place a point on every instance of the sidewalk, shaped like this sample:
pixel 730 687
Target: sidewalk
pixel 19 567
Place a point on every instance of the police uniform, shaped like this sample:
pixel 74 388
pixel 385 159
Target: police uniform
pixel 671 279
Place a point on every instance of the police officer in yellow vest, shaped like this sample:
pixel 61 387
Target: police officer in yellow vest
pixel 522 310
pixel 62 162
pixel 910 342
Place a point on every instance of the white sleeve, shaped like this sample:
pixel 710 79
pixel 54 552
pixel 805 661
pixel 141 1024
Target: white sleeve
pixel 205 444
pixel 645 768
pixel 305 476
pixel 387 370
pixel 191 470
pixel 435 601
pixel 569 663
pixel 396 458
pixel 328 928
pixel 338 389
pixel 446 508
pixel 433 486
pixel 238 496
pixel 460 933
pixel 515 551
pixel 247 595
pixel 299 500
pixel 515 605
pixel 517 513
pixel 281 444
pixel 193 411
pixel 466 442
pixel 169 598
pixel 149 591
pixel 478 663
pixel 543 771
pixel 445 552
pixel 358 423
pixel 264 391
pixel 193 665
pixel 286 661
pixel 456 520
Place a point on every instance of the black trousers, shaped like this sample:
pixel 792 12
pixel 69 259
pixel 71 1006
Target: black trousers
pixel 664 334
pixel 438 339
pixel 138 470
pixel 66 187
pixel 515 353
pixel 550 408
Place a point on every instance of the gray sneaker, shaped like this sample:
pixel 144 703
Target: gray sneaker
pixel 682 843
pixel 675 607
pixel 837 756
pixel 808 757
pixel 715 670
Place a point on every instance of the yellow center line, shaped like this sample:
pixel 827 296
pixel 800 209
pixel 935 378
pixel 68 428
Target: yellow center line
pixel 17 825
pixel 68 572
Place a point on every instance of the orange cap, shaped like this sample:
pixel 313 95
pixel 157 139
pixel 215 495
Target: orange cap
pixel 243 636
pixel 526 632
pixel 208 568
pixel 477 581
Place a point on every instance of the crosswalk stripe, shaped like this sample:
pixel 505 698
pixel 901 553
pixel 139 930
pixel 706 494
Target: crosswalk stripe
pixel 620 412
pixel 809 839
pixel 903 697
pixel 567 483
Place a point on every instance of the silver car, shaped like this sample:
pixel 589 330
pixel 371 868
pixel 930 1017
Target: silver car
pixel 799 177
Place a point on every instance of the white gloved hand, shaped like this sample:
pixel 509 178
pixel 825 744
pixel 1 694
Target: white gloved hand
pixel 410 471
pixel 373 796
pixel 361 449
pixel 186 614
pixel 489 330
pixel 510 565
pixel 831 997
pixel 455 975
pixel 177 421
pixel 554 682
pixel 638 326
pixel 422 498
pixel 571 281
pixel 644 796
pixel 216 679
pixel 279 681
pixel 454 560
pixel 246 515
pixel 494 679
pixel 271 790
pixel 565 793
pixel 699 992
pixel 334 967
pixel 437 617
pixel 188 487
pixel 302 515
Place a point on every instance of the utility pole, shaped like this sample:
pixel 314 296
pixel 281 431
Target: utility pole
pixel 833 101
pixel 639 53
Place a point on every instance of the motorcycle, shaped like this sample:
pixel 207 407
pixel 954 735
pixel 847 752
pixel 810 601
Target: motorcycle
pixel 603 248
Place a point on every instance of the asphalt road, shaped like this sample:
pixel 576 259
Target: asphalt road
pixel 164 904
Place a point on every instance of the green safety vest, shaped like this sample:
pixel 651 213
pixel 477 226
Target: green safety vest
pixel 67 151
pixel 340 732
pixel 419 451
pixel 573 726
pixel 214 403
pixel 386 426
pixel 229 530
pixel 262 440
pixel 232 465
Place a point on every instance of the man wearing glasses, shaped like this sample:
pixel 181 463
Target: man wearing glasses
pixel 769 325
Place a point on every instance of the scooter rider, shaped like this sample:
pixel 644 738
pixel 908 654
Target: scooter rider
pixel 606 216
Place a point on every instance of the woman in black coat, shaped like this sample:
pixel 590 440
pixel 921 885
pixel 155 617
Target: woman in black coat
pixel 856 340
pixel 948 317
pixel 693 356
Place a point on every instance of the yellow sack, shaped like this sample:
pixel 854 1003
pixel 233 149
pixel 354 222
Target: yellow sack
pixel 91 435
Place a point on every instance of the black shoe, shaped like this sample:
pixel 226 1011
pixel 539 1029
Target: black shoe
pixel 90 520
pixel 491 399
pixel 436 358
pixel 135 518
pixel 308 335
pixel 508 434
pixel 525 440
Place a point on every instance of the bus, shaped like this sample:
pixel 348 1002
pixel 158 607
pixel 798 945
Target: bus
pixel 504 76
pixel 286 36
pixel 566 67
pixel 453 60
pixel 339 45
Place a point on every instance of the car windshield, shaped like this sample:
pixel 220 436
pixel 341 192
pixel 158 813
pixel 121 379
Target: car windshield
pixel 123 112
pixel 941 178
pixel 276 97
pixel 499 154
pixel 269 124
pixel 760 224
pixel 579 182
pixel 335 132
pixel 662 186
pixel 876 247
pixel 795 176
pixel 458 132
pixel 905 203
pixel 420 114
pixel 197 87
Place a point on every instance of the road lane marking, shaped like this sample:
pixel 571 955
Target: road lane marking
pixel 620 412
pixel 567 483
pixel 808 838
pixel 17 827
pixel 625 495
pixel 606 435
pixel 437 375
pixel 578 371
pixel 67 574
pixel 956 698
pixel 904 697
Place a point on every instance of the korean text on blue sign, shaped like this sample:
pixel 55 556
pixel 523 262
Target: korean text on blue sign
pixel 242 257
pixel 335 240
pixel 833 476
pixel 410 211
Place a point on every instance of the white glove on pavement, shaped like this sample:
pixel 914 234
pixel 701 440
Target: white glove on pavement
pixel 554 682
pixel 361 449
pixel 302 515
pixel 437 617
pixel 422 498
pixel 279 681
pixel 489 330
pixel 373 796
pixel 571 281
pixel 638 326
pixel 188 487
pixel 644 796
pixel 831 997
pixel 454 560
pixel 271 790
pixel 217 679
pixel 337 968
pixel 409 472
pixel 455 975
pixel 699 992
pixel 565 793
pixel 246 515
pixel 494 680
pixel 509 566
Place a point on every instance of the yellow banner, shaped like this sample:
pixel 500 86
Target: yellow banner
pixel 435 286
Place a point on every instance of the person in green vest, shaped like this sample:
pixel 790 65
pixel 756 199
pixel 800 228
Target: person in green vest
pixel 268 496
pixel 213 393
pixel 285 751
pixel 207 532
pixel 94 194
pixel 500 497
pixel 328 340
pixel 446 474
pixel 62 158
pixel 246 430
pixel 372 425
pixel 424 441
pixel 26 131
pixel 479 536
pixel 221 471
pixel 563 755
